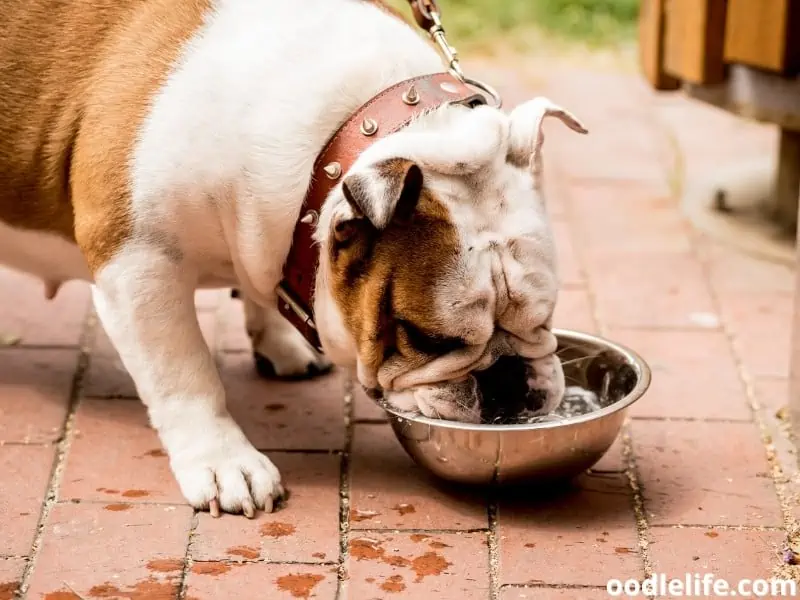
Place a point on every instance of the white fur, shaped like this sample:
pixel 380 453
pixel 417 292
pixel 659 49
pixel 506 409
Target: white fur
pixel 218 178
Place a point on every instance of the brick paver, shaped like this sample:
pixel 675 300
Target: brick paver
pixel 689 476
pixel 10 576
pixel 89 509
pixel 677 384
pixel 539 537
pixel 26 473
pixel 133 469
pixel 36 386
pixel 210 581
pixel 93 551
pixel 448 566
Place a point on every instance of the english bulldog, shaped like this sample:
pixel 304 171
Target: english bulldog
pixel 154 147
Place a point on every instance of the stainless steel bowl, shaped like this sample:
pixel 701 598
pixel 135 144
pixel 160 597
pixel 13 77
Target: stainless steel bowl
pixel 485 454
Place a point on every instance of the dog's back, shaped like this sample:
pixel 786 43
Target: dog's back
pixel 57 61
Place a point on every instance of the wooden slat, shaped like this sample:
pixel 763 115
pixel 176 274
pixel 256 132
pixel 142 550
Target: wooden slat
pixel 764 34
pixel 651 45
pixel 694 39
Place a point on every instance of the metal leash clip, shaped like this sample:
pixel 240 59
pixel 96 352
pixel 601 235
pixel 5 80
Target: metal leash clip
pixel 429 18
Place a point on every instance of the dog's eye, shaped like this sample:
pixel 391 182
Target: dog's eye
pixel 430 343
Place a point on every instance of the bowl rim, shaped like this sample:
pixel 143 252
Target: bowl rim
pixel 639 365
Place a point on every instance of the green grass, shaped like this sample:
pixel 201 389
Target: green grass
pixel 589 22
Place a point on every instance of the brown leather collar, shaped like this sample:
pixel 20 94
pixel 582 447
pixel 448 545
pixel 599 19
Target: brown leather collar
pixel 384 114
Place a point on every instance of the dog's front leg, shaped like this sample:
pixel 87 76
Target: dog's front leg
pixel 144 297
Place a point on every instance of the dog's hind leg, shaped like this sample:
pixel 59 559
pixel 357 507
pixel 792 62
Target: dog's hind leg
pixel 279 350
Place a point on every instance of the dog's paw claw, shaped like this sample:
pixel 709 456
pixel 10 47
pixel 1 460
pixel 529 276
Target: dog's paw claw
pixel 233 477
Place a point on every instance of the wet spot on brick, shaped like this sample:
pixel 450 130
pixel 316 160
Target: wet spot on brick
pixel 393 584
pixel 397 561
pixel 7 590
pixel 622 550
pixel 601 540
pixel 24 514
pixel 430 563
pixel 404 509
pixel 366 549
pixel 156 453
pixel 274 407
pixel 362 515
pixel 117 506
pixel 437 545
pixel 319 555
pixel 418 537
pixel 165 565
pixel 244 551
pixel 149 589
pixel 60 596
pixel 133 493
pixel 711 534
pixel 532 545
pixel 299 585
pixel 276 529
pixel 210 568
pixel 107 490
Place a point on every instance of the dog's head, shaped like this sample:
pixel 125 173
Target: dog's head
pixel 437 259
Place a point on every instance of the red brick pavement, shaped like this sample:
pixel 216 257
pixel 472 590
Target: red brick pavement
pixel 702 480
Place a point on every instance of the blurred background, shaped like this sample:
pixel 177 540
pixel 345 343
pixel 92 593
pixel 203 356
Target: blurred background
pixel 522 24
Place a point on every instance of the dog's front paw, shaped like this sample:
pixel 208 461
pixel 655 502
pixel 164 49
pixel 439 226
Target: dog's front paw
pixel 221 470
pixel 288 355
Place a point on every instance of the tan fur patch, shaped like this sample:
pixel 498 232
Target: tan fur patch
pixel 78 79
pixel 384 283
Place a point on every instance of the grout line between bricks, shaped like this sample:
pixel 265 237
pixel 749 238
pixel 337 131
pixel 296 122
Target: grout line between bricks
pixel 344 494
pixel 493 542
pixel 418 530
pixel 244 561
pixel 717 527
pixel 119 500
pixel 187 557
pixel 631 469
pixel 39 347
pixel 551 586
pixel 634 482
pixel 693 420
pixel 62 447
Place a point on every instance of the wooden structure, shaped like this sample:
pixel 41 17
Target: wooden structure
pixel 743 56
pixel 740 55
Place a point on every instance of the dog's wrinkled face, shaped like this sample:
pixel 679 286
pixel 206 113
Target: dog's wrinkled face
pixel 437 259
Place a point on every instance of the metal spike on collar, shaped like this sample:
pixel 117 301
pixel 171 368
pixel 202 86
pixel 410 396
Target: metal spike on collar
pixel 411 96
pixel 332 170
pixel 369 126
pixel 310 218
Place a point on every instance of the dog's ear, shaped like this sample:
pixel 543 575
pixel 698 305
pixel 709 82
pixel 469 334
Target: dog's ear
pixel 526 135
pixel 384 192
